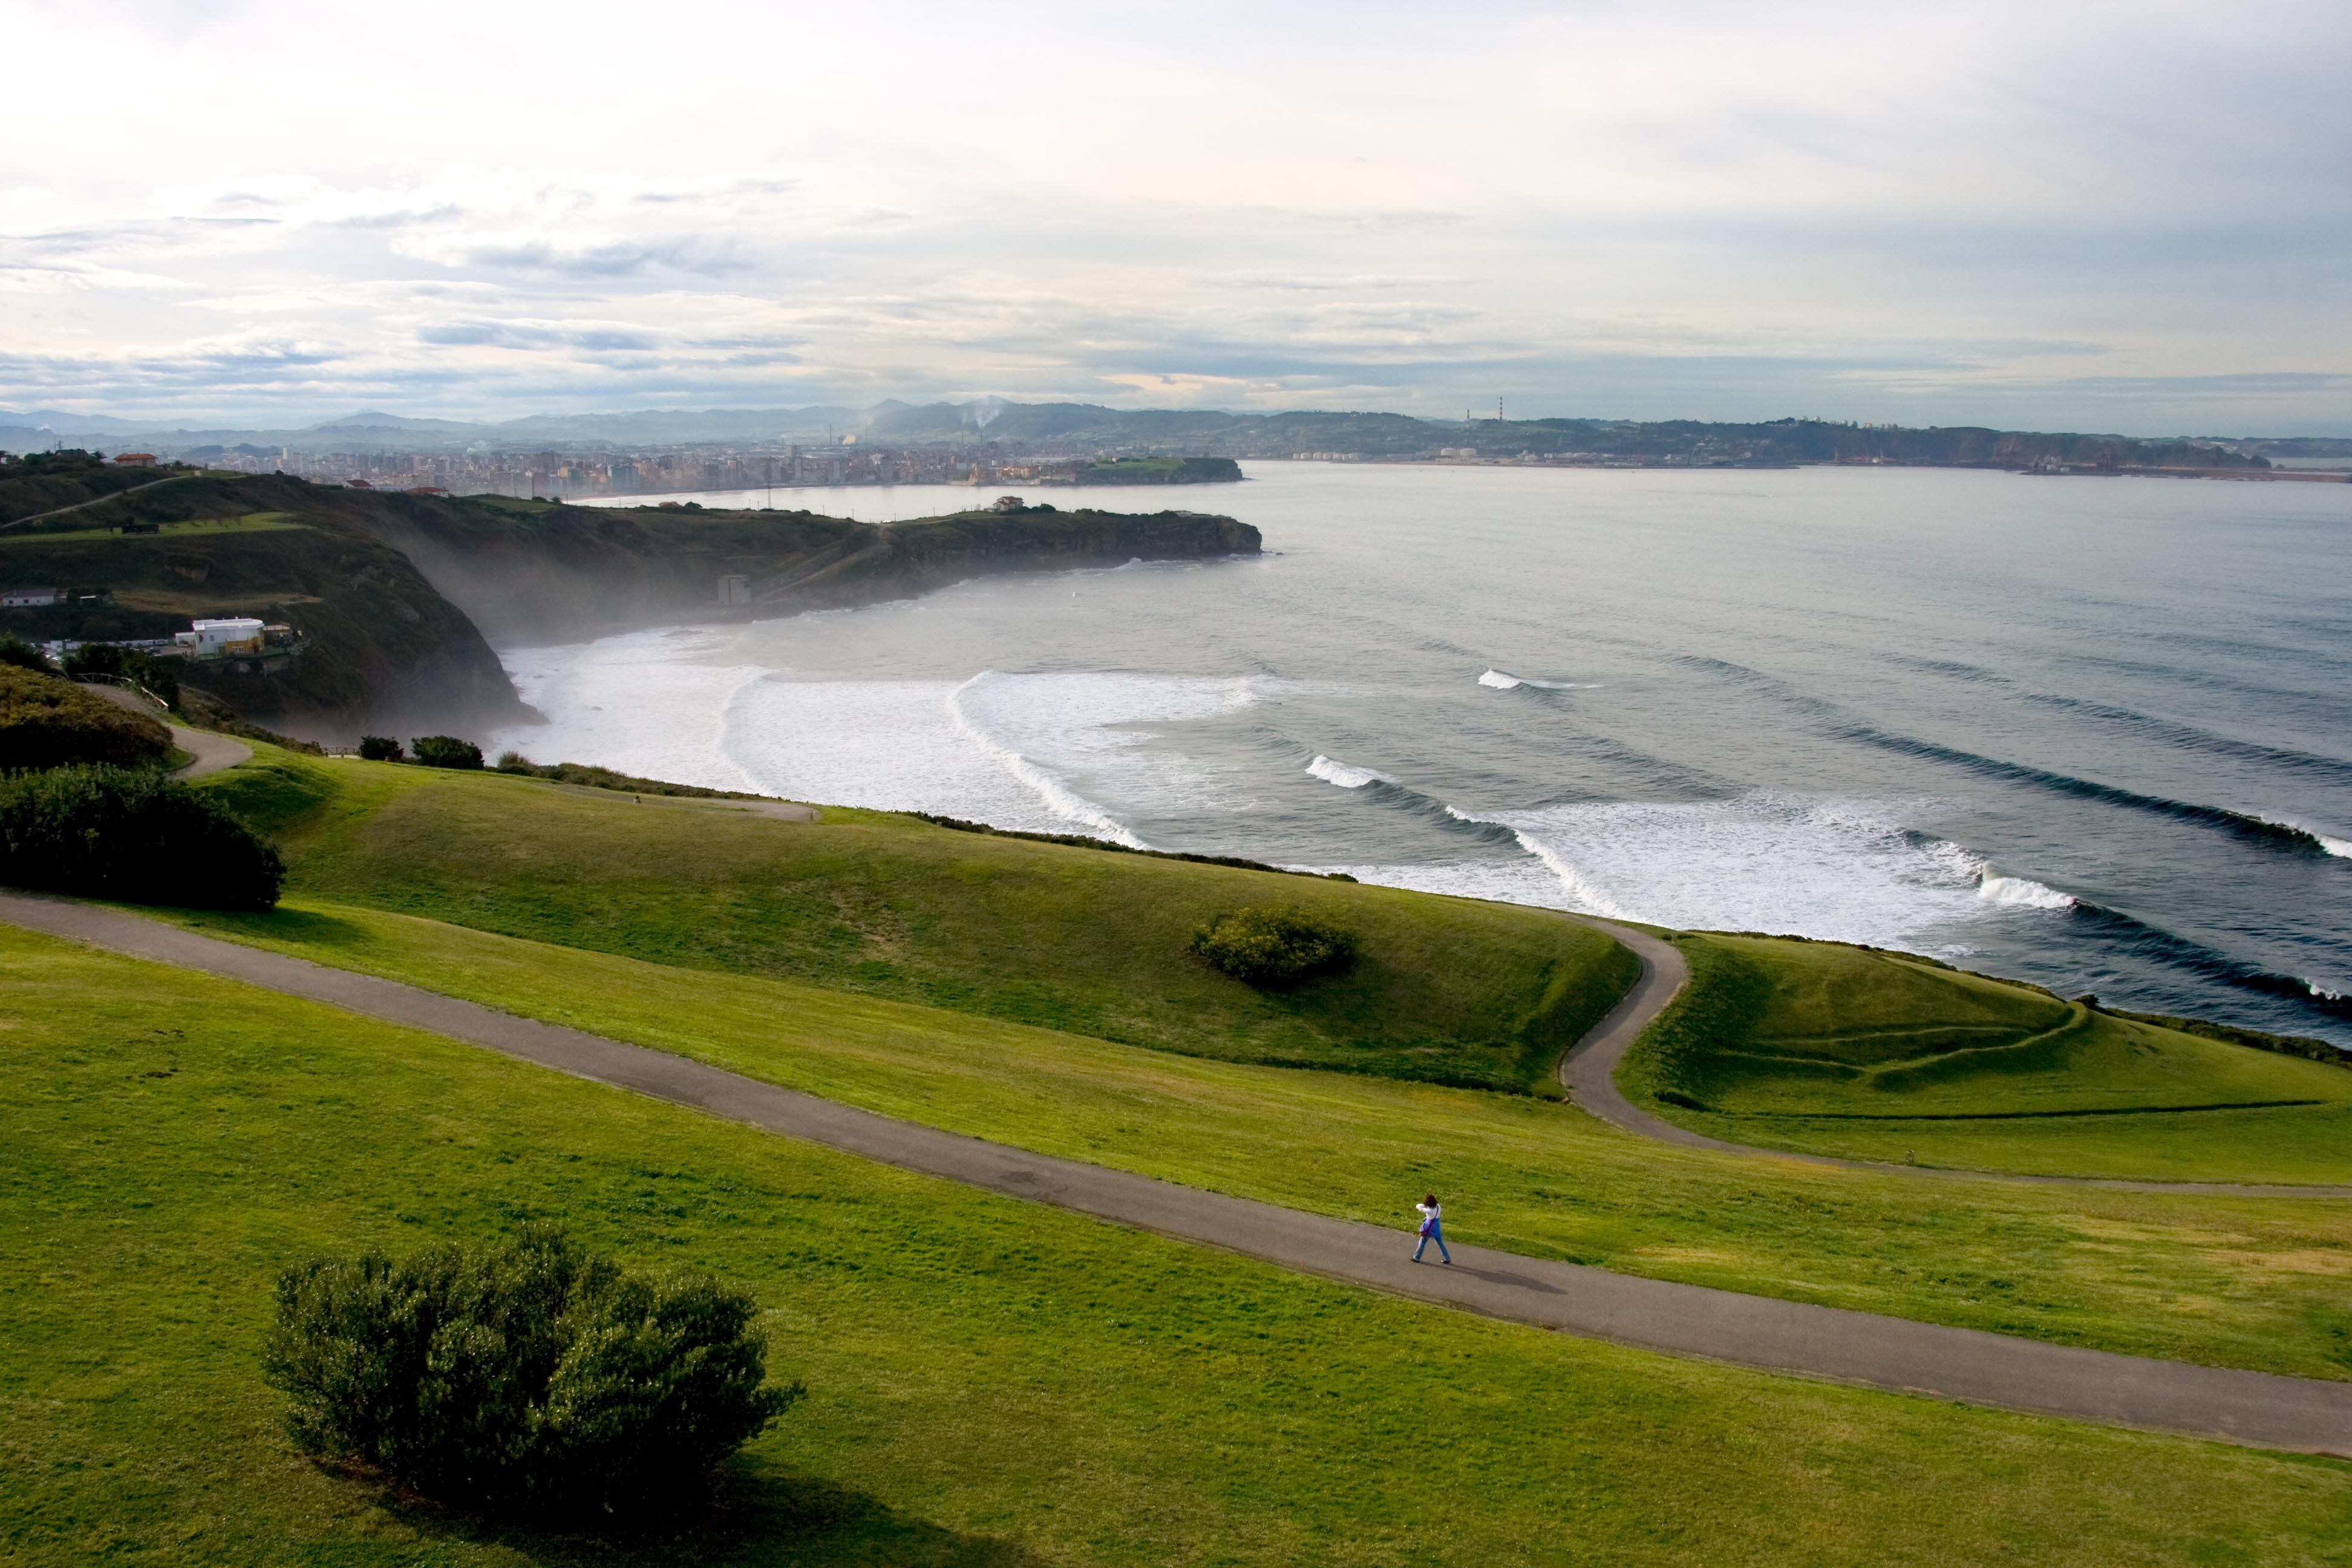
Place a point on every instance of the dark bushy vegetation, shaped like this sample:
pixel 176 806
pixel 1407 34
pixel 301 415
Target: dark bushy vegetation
pixel 381 749
pixel 591 777
pixel 132 834
pixel 1274 944
pixel 47 721
pixel 446 752
pixel 18 654
pixel 160 676
pixel 528 1372
pixel 1080 841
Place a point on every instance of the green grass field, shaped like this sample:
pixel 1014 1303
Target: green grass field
pixel 2229 1281
pixel 1444 990
pixel 991 1383
pixel 250 522
pixel 1840 1050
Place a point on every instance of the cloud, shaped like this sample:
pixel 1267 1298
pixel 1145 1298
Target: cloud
pixel 2127 211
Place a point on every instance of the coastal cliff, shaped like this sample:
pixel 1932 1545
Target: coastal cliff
pixel 399 596
pixel 532 571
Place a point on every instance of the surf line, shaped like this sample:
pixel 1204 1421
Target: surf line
pixel 1059 798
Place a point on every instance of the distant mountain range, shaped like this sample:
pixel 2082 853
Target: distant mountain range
pixel 1203 432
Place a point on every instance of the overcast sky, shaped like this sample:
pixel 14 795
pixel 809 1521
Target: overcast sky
pixel 2078 215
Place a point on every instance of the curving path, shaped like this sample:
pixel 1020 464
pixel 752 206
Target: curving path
pixel 1590 1073
pixel 1893 1354
pixel 208 752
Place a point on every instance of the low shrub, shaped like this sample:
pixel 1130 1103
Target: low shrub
pixel 446 752
pixel 1274 944
pixel 526 1372
pixel 132 834
pixel 160 676
pixel 381 749
pixel 16 652
pixel 47 721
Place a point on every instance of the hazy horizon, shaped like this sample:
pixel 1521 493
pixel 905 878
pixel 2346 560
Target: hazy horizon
pixel 2105 217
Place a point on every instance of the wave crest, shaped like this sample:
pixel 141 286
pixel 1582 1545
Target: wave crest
pixel 1331 771
pixel 1501 680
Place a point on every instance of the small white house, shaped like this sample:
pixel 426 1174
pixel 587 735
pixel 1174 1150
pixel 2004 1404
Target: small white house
pixel 30 598
pixel 213 639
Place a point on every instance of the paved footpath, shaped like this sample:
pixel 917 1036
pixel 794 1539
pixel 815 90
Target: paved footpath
pixel 207 752
pixel 1589 1072
pixel 1686 1320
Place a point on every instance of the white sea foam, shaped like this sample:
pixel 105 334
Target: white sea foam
pixel 650 703
pixel 1059 798
pixel 1992 888
pixel 1040 752
pixel 1503 682
pixel 1845 870
pixel 2022 893
pixel 1333 772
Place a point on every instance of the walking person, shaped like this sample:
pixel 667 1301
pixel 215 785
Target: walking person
pixel 1432 1228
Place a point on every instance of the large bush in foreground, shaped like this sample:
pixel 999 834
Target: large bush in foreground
pixel 1274 944
pixel 131 833
pixel 529 1372
pixel 46 721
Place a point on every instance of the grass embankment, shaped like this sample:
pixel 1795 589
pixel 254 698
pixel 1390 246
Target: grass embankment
pixel 991 1383
pixel 1851 1051
pixel 2232 1281
pixel 1447 990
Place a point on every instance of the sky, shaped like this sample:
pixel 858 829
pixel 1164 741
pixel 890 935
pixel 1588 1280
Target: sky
pixel 2123 217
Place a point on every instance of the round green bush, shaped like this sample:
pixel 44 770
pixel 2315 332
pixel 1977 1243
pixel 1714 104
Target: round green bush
pixel 525 1372
pixel 134 835
pixel 446 752
pixel 1274 944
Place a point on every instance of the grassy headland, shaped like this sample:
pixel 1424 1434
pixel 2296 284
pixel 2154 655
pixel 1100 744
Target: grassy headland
pixel 1852 1051
pixel 1450 991
pixel 2230 1280
pixel 991 1383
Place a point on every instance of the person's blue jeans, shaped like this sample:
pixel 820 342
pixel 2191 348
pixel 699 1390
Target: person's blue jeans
pixel 1436 1234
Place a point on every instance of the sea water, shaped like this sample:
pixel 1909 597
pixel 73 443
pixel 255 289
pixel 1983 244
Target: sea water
pixel 2094 733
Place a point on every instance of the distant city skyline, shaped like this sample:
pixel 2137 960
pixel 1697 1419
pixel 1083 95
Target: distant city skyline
pixel 2100 217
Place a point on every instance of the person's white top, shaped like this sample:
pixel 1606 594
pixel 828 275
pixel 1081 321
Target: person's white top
pixel 1429 1212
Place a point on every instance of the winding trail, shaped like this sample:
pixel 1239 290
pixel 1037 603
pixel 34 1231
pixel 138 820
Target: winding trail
pixel 207 752
pixel 2258 1408
pixel 1589 1072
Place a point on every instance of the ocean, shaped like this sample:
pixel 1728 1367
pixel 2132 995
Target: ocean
pixel 2091 732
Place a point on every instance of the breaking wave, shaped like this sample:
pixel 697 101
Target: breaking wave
pixel 1058 798
pixel 2189 737
pixel 2245 825
pixel 2176 952
pixel 1501 681
pixel 1341 773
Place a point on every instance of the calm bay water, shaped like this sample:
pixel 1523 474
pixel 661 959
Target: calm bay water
pixel 2096 733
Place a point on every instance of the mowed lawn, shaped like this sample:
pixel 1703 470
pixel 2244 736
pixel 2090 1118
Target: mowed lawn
pixel 1858 1052
pixel 2236 1281
pixel 1443 990
pixel 991 1382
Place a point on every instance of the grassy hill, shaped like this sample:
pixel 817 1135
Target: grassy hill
pixel 708 969
pixel 40 482
pixel 1854 1051
pixel 993 1385
pixel 1449 991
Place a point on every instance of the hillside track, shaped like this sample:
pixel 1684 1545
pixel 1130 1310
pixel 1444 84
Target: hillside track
pixel 1589 1072
pixel 1892 1353
pixel 207 752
